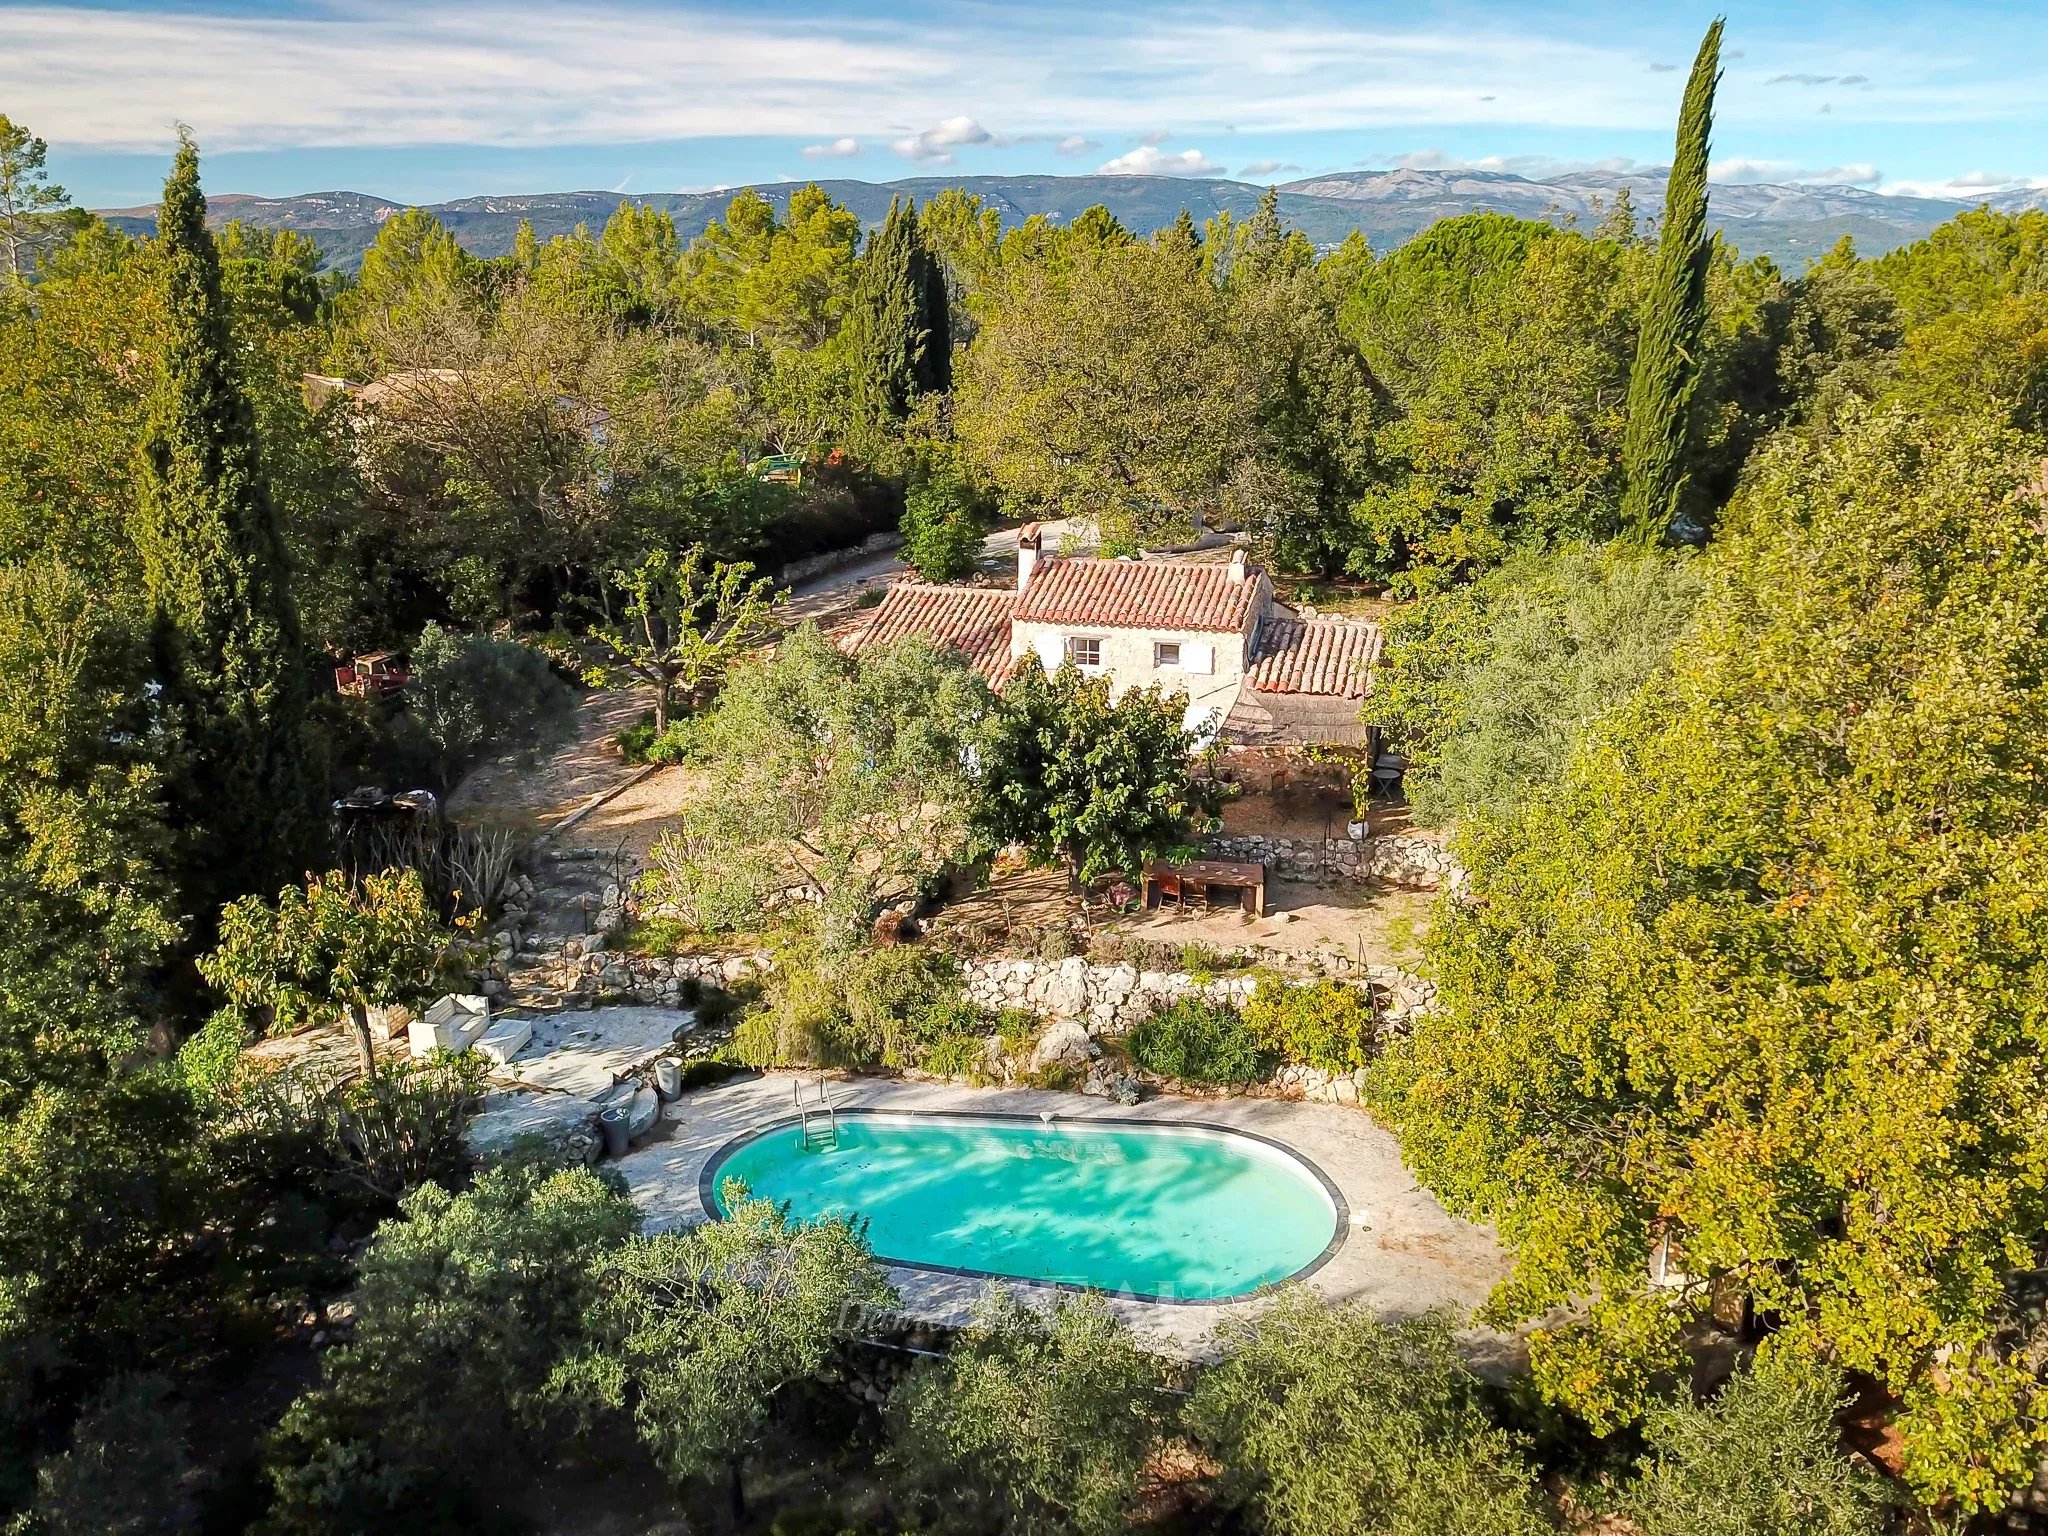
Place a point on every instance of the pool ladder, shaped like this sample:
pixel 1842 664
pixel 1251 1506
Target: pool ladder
pixel 819 1112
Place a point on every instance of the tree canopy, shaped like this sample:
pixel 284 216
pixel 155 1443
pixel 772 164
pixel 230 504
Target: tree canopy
pixel 1755 981
pixel 1080 775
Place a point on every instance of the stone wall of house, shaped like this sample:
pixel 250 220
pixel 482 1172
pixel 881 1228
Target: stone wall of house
pixel 1417 859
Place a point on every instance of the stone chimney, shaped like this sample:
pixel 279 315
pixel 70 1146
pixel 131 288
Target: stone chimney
pixel 1238 568
pixel 1030 540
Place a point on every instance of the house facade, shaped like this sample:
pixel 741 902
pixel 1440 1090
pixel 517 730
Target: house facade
pixel 1253 671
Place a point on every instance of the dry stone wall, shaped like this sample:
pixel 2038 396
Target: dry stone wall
pixel 1417 859
pixel 1112 999
pixel 1084 1002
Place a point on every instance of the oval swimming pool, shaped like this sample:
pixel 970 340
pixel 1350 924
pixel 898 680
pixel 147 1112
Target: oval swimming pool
pixel 1162 1211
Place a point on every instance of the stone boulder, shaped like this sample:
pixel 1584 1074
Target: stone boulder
pixel 1065 1044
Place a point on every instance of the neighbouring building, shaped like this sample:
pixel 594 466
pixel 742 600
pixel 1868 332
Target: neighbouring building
pixel 1253 670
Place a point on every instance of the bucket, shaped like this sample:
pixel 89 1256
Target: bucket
pixel 612 1123
pixel 668 1079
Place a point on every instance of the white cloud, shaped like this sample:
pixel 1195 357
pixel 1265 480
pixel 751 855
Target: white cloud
pixel 1534 167
pixel 116 74
pixel 1970 187
pixel 1150 160
pixel 936 144
pixel 838 149
pixel 1075 144
pixel 1737 172
pixel 1266 168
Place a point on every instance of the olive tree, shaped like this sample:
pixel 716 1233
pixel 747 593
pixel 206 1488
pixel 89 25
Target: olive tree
pixel 1038 1422
pixel 699 1331
pixel 847 781
pixel 465 1304
pixel 473 694
pixel 1327 1419
pixel 1488 687
pixel 1761 1458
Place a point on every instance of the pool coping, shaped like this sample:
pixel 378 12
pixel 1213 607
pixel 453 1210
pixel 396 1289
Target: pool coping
pixel 707 1195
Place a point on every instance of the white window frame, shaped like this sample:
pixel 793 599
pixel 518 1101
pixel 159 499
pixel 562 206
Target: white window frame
pixel 1160 656
pixel 1073 654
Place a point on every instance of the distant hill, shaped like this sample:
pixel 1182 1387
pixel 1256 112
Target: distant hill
pixel 1792 224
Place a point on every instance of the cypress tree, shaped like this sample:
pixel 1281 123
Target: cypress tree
pixel 902 325
pixel 1674 316
pixel 241 779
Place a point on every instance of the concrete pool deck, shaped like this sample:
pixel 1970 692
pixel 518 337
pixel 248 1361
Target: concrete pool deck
pixel 1403 1255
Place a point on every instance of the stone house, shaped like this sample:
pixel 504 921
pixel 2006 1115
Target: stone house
pixel 1254 672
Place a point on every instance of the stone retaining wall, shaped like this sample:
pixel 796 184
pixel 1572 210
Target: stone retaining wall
pixel 583 971
pixel 1112 999
pixel 1086 1001
pixel 1399 858
pixel 838 559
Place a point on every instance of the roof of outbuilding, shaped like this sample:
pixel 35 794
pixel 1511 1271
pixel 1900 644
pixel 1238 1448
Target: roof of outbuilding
pixel 973 620
pixel 1138 594
pixel 1331 657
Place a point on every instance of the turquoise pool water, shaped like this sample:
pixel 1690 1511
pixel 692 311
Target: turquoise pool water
pixel 1175 1212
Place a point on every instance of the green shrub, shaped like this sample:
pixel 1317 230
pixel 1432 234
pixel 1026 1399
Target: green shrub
pixel 1327 1419
pixel 635 739
pixel 475 694
pixel 1017 1026
pixel 943 525
pixel 709 1072
pixel 1325 1024
pixel 1763 1458
pixel 857 1008
pixel 639 743
pixel 1200 1041
pixel 1203 961
pixel 661 937
pixel 963 1055
pixel 123 1471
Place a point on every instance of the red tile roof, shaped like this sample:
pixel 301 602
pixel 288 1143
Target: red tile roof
pixel 973 620
pixel 1319 656
pixel 1138 594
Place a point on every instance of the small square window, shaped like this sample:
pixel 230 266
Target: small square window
pixel 1084 653
pixel 1166 653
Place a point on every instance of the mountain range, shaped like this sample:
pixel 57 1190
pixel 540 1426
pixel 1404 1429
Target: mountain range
pixel 1792 224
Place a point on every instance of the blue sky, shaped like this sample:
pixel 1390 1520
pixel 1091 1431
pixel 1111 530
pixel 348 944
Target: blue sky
pixel 422 100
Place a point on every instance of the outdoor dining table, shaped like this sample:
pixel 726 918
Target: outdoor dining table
pixel 1206 876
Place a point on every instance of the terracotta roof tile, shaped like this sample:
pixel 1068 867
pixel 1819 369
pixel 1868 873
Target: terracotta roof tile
pixel 973 620
pixel 1318 656
pixel 1138 594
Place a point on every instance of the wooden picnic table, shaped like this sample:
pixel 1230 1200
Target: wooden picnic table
pixel 1204 876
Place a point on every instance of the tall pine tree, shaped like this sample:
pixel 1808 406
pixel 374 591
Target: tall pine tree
pixel 1674 317
pixel 902 331
pixel 242 782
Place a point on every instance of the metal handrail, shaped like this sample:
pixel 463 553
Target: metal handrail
pixel 824 1107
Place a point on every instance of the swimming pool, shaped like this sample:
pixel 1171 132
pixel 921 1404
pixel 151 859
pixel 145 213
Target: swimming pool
pixel 1165 1212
